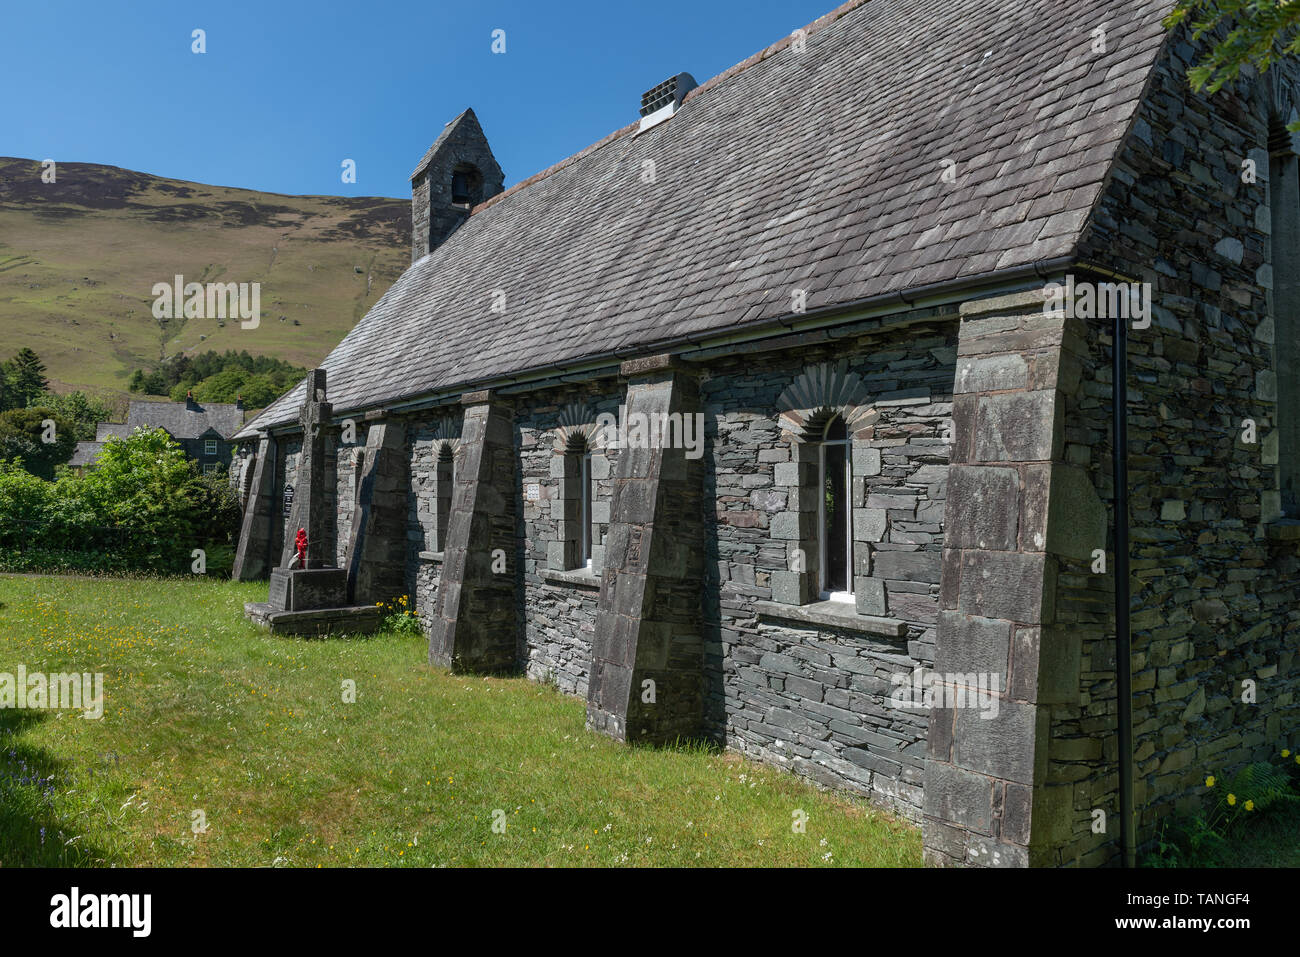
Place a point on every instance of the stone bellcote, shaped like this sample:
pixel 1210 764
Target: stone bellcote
pixel 456 174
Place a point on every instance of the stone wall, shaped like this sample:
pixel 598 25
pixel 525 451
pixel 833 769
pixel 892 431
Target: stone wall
pixel 1215 598
pixel 346 457
pixel 813 698
pixel 560 611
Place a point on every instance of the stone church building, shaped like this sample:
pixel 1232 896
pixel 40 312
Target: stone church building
pixel 783 416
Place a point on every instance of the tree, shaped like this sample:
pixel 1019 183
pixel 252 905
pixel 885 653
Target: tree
pixel 24 434
pixel 1259 32
pixel 84 411
pixel 8 394
pixel 146 486
pixel 28 375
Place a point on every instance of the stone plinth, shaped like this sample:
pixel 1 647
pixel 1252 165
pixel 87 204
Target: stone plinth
pixel 304 589
pixel 350 620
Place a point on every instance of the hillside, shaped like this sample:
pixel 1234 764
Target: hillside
pixel 79 258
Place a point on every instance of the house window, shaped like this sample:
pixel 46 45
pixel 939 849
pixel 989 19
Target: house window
pixel 209 446
pixel 1284 202
pixel 834 528
pixel 210 467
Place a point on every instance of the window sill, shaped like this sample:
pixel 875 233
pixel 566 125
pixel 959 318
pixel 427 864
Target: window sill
pixel 1283 530
pixel 430 556
pixel 576 576
pixel 832 614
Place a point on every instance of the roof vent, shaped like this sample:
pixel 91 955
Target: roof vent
pixel 661 102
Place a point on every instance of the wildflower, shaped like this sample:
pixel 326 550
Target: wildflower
pixel 1209 782
pixel 1286 752
pixel 1250 805
pixel 1232 800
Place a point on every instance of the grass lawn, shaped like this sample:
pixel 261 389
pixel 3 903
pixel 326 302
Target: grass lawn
pixel 205 714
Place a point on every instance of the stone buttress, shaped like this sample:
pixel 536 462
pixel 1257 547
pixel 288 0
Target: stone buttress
pixel 647 654
pixel 474 627
pixel 1016 510
pixel 253 556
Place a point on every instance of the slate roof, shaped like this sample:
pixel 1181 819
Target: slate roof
pixel 86 453
pixel 183 423
pixel 818 170
pixel 105 429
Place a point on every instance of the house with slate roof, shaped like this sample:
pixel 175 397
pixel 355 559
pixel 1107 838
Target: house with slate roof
pixel 910 407
pixel 203 430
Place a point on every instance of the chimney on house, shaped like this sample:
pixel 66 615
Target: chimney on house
pixel 455 175
pixel 661 102
pixel 190 404
pixel 239 402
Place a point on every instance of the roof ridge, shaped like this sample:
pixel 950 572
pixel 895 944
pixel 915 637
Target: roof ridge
pixel 825 20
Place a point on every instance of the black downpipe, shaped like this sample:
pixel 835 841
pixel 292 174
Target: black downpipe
pixel 1123 640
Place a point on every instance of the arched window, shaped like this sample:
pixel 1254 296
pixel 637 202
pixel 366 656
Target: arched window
pixel 574 537
pixel 443 477
pixel 834 527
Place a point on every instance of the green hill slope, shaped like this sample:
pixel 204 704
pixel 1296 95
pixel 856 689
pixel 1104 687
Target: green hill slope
pixel 79 258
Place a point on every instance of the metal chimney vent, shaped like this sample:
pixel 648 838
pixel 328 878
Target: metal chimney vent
pixel 661 102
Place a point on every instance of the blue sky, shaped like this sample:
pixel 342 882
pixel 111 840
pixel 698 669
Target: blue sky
pixel 288 90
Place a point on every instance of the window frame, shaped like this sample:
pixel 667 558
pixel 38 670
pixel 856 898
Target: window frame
pixel 444 485
pixel 210 447
pixel 823 546
pixel 585 492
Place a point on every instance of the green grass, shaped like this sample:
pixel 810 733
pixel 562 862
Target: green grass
pixel 204 712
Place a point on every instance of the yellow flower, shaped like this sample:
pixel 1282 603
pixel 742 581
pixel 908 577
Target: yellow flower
pixel 1209 782
pixel 1250 805
pixel 1232 799
pixel 1286 753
